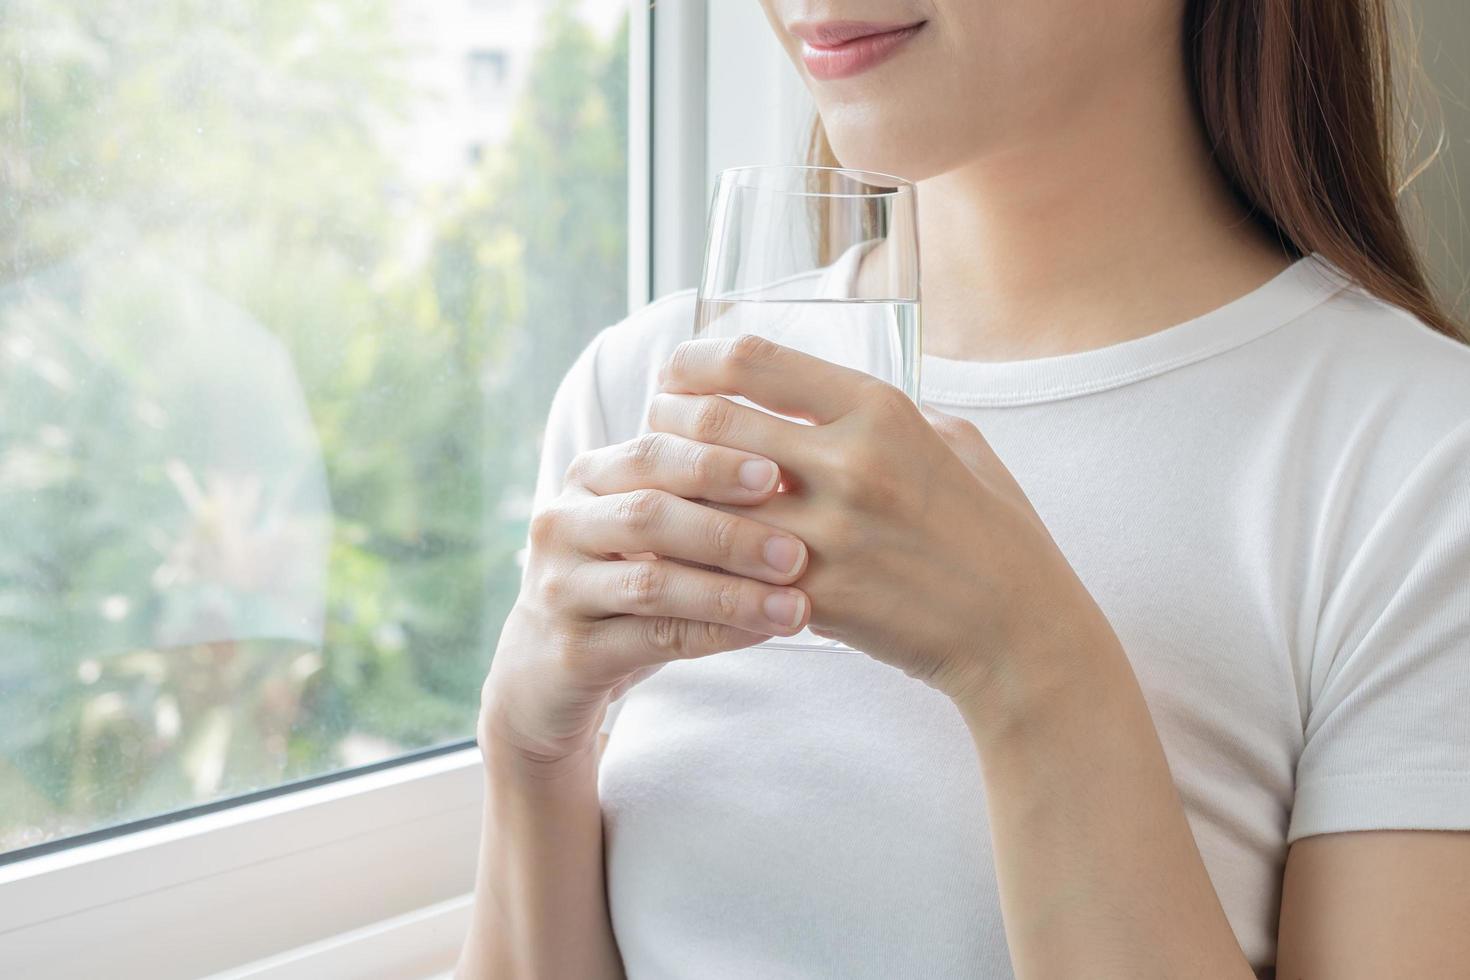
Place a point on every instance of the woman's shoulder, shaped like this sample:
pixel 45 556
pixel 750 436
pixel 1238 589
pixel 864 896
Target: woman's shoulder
pixel 1389 359
pixel 628 355
pixel 660 324
pixel 1378 391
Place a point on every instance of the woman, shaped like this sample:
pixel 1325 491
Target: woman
pixel 1173 573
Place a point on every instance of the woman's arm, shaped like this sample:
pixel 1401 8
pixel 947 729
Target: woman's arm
pixel 1100 877
pixel 1370 904
pixel 541 903
pixel 585 627
pixel 1098 870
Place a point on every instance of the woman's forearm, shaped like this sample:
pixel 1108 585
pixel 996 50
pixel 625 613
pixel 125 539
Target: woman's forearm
pixel 540 899
pixel 1098 870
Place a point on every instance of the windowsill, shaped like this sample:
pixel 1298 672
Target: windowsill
pixel 419 945
pixel 316 863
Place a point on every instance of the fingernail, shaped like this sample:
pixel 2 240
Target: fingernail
pixel 758 474
pixel 784 608
pixel 782 554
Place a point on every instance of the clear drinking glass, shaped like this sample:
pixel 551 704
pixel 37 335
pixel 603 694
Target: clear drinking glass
pixel 824 260
pixel 821 259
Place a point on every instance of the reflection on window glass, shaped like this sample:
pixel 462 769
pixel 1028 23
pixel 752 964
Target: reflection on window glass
pixel 282 306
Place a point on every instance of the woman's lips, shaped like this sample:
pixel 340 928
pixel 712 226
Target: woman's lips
pixel 841 49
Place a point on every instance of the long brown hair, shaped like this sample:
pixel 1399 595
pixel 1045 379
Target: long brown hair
pixel 1297 99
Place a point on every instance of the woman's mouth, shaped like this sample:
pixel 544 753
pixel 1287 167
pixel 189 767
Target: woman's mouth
pixel 843 48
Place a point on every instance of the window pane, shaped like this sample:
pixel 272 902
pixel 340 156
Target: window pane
pixel 285 290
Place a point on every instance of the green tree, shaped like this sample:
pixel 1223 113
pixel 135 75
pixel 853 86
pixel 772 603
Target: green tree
pixel 537 256
pixel 199 210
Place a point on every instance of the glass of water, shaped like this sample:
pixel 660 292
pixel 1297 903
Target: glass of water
pixel 820 259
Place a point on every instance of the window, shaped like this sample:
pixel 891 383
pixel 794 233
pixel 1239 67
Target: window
pixel 279 325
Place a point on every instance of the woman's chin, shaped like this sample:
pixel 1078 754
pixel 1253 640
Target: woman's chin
pixel 884 150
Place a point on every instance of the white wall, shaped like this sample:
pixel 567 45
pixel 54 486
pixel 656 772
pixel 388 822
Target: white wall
pixel 1444 190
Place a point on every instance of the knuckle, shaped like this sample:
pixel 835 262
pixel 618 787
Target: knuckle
pixel 644 451
pixel 678 362
pixel 712 636
pixel 555 586
pixel 711 418
pixel 722 533
pixel 577 468
pixel 726 600
pixel 748 350
pixel 642 583
pixel 545 526
pixel 667 635
pixel 701 464
pixel 887 413
pixel 891 407
pixel 638 509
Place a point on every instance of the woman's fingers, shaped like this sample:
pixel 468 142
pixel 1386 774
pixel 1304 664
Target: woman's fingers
pixel 618 646
pixel 658 522
pixel 651 495
pixel 654 588
pixel 716 420
pixel 681 466
pixel 787 381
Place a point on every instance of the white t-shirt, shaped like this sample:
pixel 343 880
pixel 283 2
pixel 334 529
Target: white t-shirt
pixel 1270 502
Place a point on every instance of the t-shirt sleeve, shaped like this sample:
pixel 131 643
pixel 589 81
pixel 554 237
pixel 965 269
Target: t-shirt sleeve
pixel 576 422
pixel 1388 730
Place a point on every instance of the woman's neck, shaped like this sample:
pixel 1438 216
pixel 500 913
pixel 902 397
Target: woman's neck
pixel 1103 226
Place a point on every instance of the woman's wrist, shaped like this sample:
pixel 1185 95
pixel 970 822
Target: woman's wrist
pixel 506 754
pixel 506 767
pixel 1064 663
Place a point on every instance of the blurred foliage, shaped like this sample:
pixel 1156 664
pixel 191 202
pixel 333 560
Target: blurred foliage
pixel 269 412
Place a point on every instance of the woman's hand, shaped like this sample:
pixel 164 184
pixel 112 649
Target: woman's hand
pixel 599 609
pixel 925 553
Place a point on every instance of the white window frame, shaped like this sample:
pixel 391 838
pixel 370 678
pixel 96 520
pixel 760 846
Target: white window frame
pixel 367 875
pixel 758 106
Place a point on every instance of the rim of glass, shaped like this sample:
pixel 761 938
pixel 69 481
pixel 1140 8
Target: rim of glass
pixel 892 185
